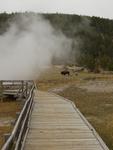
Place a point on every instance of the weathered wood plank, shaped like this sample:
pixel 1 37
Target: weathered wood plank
pixel 56 125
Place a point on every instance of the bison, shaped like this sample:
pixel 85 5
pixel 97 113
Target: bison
pixel 65 72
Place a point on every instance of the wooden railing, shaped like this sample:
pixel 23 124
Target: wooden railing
pixel 17 88
pixel 15 140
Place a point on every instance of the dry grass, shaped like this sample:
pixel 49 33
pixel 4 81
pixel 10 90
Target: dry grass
pixel 97 107
pixel 52 78
pixel 9 108
pixel 4 130
pixel 7 114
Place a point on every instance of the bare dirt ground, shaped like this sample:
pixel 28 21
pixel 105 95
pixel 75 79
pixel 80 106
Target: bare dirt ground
pixel 92 94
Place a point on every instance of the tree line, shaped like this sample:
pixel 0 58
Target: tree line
pixel 92 38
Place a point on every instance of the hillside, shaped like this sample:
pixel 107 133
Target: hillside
pixel 92 38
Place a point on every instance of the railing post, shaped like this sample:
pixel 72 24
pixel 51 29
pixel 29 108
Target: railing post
pixel 26 88
pixel 1 91
pixel 22 86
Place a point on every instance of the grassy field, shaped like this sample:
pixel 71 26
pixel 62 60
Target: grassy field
pixel 92 94
pixel 8 111
pixel 53 79
pixel 97 108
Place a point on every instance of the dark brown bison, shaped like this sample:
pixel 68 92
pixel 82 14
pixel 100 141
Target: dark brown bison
pixel 65 72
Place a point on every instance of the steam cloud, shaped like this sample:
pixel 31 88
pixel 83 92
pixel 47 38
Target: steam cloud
pixel 28 47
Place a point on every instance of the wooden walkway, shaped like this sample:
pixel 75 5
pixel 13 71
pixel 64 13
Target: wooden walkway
pixel 56 124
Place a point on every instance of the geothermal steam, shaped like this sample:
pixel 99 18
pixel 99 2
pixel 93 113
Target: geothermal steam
pixel 28 47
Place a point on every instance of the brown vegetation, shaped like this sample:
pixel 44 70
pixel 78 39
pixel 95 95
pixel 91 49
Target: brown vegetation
pixel 92 93
pixel 7 115
pixel 97 107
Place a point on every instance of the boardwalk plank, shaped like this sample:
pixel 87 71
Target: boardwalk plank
pixel 56 125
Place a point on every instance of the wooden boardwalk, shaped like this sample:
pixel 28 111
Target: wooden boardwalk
pixel 56 124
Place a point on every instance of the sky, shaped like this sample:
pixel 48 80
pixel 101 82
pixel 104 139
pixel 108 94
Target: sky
pixel 102 8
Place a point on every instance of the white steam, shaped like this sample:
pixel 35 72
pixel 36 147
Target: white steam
pixel 28 46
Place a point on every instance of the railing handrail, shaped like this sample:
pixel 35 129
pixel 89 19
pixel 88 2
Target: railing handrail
pixel 18 88
pixel 15 130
